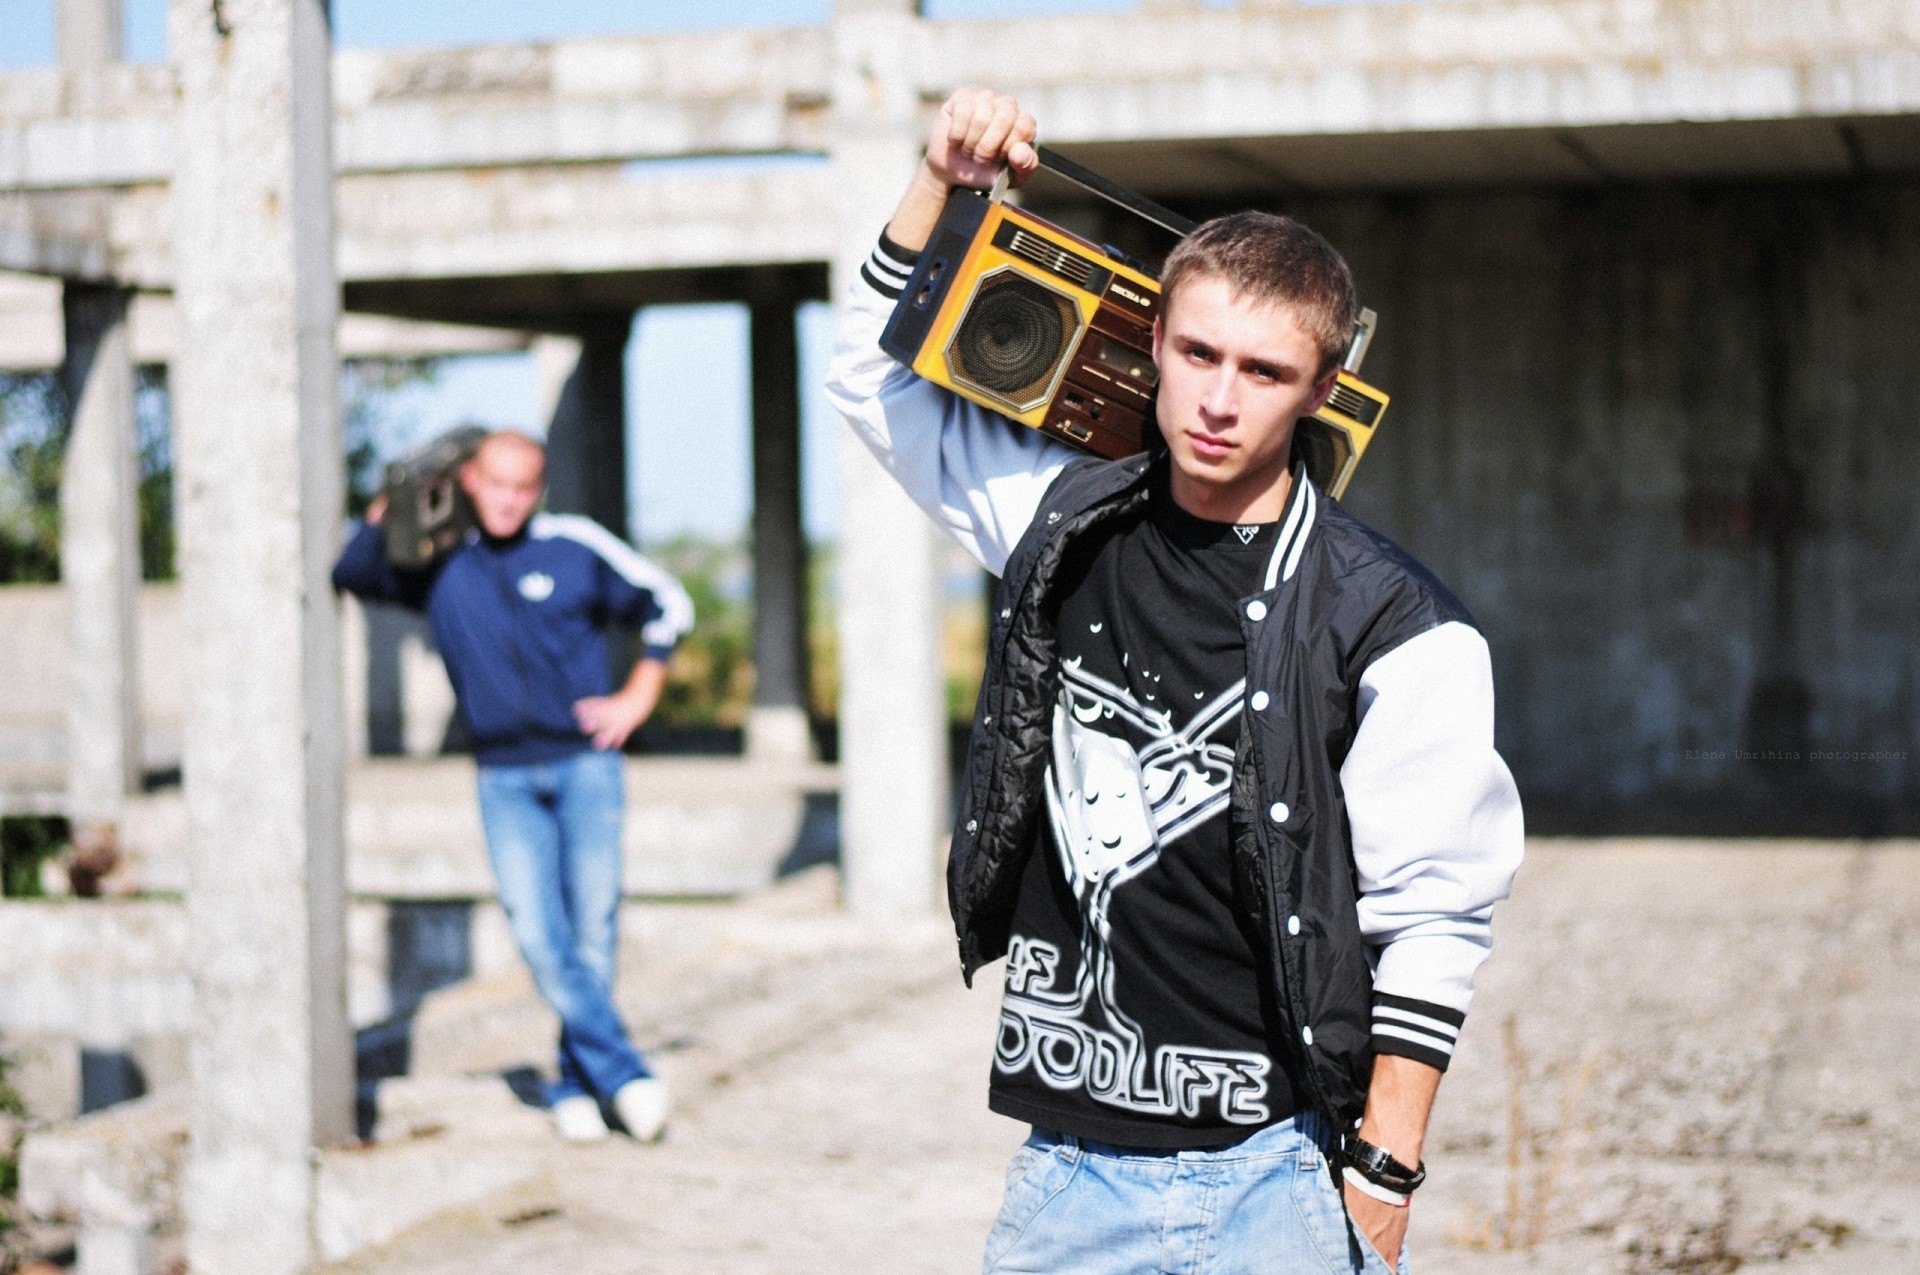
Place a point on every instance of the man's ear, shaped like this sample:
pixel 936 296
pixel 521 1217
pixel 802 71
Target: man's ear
pixel 1156 340
pixel 1322 390
pixel 467 479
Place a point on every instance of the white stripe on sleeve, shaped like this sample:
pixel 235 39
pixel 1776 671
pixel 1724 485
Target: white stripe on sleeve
pixel 676 608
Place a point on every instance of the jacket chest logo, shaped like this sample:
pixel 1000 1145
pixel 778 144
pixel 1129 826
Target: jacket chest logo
pixel 536 586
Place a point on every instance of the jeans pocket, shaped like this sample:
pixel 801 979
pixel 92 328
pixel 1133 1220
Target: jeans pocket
pixel 1035 1175
pixel 1323 1216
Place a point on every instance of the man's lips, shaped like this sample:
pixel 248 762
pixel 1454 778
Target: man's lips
pixel 1210 445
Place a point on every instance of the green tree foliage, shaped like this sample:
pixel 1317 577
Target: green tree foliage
pixel 32 443
pixel 710 682
pixel 27 841
pixel 153 409
pixel 365 387
pixel 13 1115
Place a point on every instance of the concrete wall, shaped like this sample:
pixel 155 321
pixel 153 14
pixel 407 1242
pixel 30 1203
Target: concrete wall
pixel 96 998
pixel 33 677
pixel 408 699
pixel 1662 442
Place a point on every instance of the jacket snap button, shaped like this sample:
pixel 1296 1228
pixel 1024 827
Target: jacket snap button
pixel 973 825
pixel 1006 613
pixel 1306 1034
pixel 1277 812
pixel 1256 610
pixel 1260 701
pixel 1054 516
pixel 1293 922
pixel 987 720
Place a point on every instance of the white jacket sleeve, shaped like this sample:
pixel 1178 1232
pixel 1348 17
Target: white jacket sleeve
pixel 979 476
pixel 1437 834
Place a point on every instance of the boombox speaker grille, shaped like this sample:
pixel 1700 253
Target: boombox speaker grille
pixel 1014 339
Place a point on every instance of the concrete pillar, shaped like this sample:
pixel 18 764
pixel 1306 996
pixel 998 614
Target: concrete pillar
pixel 261 484
pixel 587 429
pixel 777 727
pixel 89 32
pixel 100 565
pixel 893 746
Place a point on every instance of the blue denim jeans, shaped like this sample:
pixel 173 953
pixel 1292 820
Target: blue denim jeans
pixel 553 833
pixel 1266 1206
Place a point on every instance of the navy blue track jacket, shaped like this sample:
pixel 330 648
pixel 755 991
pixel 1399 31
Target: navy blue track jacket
pixel 521 624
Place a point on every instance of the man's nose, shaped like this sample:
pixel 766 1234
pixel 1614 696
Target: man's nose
pixel 1218 399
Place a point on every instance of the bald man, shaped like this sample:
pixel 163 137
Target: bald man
pixel 519 611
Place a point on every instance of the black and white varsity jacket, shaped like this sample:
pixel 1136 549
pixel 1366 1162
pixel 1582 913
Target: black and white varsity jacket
pixel 1373 824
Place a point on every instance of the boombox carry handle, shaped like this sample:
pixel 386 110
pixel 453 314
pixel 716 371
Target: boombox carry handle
pixel 1131 200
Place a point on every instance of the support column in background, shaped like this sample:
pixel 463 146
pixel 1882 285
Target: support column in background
pixel 587 422
pixel 259 459
pixel 89 32
pixel 893 741
pixel 778 727
pixel 100 566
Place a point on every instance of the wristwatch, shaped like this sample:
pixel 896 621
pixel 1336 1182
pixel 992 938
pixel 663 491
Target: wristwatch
pixel 1378 1166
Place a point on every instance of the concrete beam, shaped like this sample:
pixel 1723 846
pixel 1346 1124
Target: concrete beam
pixel 64 235
pixel 100 566
pixel 894 793
pixel 593 100
pixel 581 220
pixel 1256 69
pixel 515 160
pixel 259 464
pixel 581 101
pixel 1285 69
pixel 552 303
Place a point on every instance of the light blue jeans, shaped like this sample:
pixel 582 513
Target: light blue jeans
pixel 553 833
pixel 1266 1206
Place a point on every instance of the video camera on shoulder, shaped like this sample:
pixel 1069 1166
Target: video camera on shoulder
pixel 428 512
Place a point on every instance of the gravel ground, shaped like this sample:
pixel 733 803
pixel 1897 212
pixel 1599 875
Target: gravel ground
pixel 1685 1056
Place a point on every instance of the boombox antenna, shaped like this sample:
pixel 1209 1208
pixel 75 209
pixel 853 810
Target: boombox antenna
pixel 1131 200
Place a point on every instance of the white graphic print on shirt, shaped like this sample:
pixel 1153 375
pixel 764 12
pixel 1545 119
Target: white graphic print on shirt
pixel 1113 809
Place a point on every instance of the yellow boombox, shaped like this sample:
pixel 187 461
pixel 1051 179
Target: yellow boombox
pixel 1048 329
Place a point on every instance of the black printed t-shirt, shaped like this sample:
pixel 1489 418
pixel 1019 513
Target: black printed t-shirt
pixel 1135 1009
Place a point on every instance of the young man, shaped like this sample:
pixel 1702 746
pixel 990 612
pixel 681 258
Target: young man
pixel 519 612
pixel 1232 808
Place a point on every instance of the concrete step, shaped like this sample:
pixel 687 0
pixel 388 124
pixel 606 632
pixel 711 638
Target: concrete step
pixel 715 991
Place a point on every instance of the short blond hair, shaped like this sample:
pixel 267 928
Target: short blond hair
pixel 1274 260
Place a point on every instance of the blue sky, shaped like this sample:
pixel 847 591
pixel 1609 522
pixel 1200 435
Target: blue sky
pixel 687 417
pixel 687 382
pixel 26 26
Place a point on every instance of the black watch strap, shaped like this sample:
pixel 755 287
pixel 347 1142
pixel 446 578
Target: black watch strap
pixel 1378 1166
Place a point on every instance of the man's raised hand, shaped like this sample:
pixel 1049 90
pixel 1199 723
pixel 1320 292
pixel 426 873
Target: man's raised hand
pixel 977 133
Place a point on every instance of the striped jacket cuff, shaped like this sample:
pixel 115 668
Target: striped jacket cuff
pixel 887 267
pixel 1420 1030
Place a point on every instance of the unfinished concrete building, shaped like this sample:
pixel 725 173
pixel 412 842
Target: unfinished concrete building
pixel 1647 275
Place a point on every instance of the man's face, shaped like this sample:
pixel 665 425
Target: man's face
pixel 1235 375
pixel 504 479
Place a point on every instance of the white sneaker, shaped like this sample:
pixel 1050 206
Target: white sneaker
pixel 642 1106
pixel 578 1119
